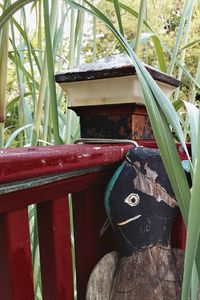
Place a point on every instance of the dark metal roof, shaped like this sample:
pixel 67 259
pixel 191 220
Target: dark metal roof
pixel 109 67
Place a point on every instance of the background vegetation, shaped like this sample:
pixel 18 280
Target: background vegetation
pixel 75 38
pixel 164 19
pixel 45 37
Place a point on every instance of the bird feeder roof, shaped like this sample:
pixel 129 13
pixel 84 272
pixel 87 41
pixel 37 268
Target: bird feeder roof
pixel 110 67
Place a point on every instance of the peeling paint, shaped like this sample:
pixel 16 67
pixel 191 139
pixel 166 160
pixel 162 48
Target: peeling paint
pixel 148 185
pixel 43 161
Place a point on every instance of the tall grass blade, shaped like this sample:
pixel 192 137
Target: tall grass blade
pixel 50 66
pixel 185 71
pixel 4 38
pixel 189 45
pixel 94 47
pixel 80 38
pixel 157 45
pixel 39 40
pixel 10 105
pixel 21 66
pixel 133 13
pixel 20 85
pixel 193 227
pixel 72 39
pixel 193 115
pixel 15 134
pixel 44 74
pixel 141 17
pixel 118 14
pixel 29 52
pixel 77 26
pixel 12 9
pixel 197 78
pixel 72 61
pixel 187 8
pixel 195 283
pixel 183 52
pixel 28 119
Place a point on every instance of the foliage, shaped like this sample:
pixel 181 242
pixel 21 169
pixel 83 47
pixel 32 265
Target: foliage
pixel 164 117
pixel 33 111
pixel 27 99
pixel 164 18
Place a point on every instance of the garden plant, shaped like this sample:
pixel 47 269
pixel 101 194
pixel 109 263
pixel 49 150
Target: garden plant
pixel 37 114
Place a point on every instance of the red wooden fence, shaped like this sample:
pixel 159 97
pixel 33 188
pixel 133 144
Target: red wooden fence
pixel 45 176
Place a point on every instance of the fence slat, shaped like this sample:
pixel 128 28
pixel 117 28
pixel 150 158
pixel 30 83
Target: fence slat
pixel 178 233
pixel 89 216
pixel 55 250
pixel 15 257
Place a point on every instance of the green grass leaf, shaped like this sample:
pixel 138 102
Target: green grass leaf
pixel 145 36
pixel 118 14
pixel 193 228
pixel 50 66
pixel 13 136
pixel 12 9
pixel 133 13
pixel 193 115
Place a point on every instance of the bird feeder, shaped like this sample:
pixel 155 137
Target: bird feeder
pixel 108 98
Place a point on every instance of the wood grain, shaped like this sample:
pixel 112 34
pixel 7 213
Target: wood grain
pixel 151 274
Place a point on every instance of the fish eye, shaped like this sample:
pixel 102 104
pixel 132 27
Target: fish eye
pixel 132 199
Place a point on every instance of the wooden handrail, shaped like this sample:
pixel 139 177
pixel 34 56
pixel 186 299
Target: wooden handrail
pixel 23 163
pixel 45 176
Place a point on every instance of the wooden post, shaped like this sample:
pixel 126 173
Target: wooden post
pixel 89 217
pixel 16 280
pixel 55 249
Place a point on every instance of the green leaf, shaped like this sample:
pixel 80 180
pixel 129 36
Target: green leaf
pixel 189 45
pixel 23 69
pixel 13 102
pixel 141 17
pixel 168 149
pixel 178 104
pixel 193 115
pixel 195 283
pixel 193 227
pixel 133 13
pixel 15 134
pixel 25 37
pixel 77 27
pixel 11 10
pixel 118 14
pixel 50 66
pixel 157 45
pixel 188 5
pixel 183 67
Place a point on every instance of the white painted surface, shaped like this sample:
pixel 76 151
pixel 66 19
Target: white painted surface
pixel 118 90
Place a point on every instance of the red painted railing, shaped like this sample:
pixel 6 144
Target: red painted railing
pixel 45 176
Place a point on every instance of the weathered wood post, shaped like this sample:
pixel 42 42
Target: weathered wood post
pixel 106 95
